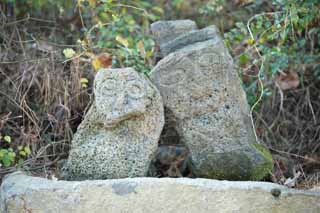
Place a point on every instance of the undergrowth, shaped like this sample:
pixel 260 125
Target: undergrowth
pixel 50 50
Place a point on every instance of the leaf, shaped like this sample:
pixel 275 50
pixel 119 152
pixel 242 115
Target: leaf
pixel 250 41
pixel 158 9
pixel 96 64
pixel 2 153
pixel 140 47
pixel 103 60
pixel 27 150
pixel 7 138
pixel 12 154
pixel 6 161
pixel 289 80
pixel 243 59
pixel 23 153
pixel 69 53
pixel 92 3
pixel 84 81
pixel 122 41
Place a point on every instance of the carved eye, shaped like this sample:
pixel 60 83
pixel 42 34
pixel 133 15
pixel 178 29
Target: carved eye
pixel 109 86
pixel 208 59
pixel 135 89
pixel 173 78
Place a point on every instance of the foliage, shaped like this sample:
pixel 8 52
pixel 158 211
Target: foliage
pixel 50 104
pixel 39 7
pixel 120 30
pixel 9 155
pixel 212 7
pixel 277 42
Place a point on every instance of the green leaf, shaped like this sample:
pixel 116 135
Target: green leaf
pixel 11 155
pixel 2 153
pixel 243 59
pixel 7 138
pixel 23 153
pixel 6 161
pixel 27 150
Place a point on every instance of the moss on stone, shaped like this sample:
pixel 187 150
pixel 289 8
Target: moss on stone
pixel 234 165
pixel 262 169
pixel 252 164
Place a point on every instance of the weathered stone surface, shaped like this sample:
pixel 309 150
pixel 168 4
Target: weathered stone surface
pixel 21 193
pixel 119 135
pixel 165 31
pixel 189 38
pixel 202 91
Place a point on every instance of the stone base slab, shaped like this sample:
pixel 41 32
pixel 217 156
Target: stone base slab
pixel 23 193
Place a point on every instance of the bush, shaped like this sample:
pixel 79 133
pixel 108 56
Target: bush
pixel 277 42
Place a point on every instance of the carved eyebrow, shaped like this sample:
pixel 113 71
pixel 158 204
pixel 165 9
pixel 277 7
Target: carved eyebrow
pixel 108 78
pixel 131 78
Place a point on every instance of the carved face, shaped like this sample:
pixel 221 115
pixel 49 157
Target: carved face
pixel 119 95
pixel 193 83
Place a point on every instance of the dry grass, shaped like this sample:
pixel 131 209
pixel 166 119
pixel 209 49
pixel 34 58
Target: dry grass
pixel 289 123
pixel 41 98
pixel 42 103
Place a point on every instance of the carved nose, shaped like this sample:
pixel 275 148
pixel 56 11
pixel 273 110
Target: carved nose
pixel 119 102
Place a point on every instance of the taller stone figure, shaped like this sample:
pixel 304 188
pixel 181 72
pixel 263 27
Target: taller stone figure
pixel 119 135
pixel 203 95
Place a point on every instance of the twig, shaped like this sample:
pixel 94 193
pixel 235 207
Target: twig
pixel 310 105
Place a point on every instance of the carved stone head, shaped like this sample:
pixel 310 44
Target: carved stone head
pixel 120 94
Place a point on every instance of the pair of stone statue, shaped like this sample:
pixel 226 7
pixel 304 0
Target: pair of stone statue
pixel 194 93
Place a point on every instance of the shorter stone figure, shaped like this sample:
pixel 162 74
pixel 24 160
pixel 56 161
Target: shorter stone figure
pixel 119 135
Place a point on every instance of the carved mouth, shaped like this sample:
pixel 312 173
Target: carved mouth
pixel 114 120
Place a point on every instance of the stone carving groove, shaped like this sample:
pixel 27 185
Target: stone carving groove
pixel 119 135
pixel 201 88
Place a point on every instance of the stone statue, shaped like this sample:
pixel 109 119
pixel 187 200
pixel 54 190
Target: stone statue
pixel 119 135
pixel 202 91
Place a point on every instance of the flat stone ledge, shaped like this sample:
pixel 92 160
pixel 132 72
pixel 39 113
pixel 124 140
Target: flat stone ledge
pixel 23 193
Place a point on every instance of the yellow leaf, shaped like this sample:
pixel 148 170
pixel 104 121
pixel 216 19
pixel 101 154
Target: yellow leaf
pixel 23 153
pixel 69 53
pixel 84 85
pixel 84 81
pixel 250 41
pixel 96 64
pixel 149 53
pixel 103 60
pixel 262 40
pixel 7 138
pixel 122 41
pixel 158 9
pixel 92 3
pixel 27 150
pixel 140 47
